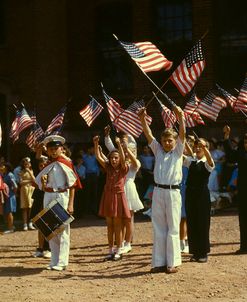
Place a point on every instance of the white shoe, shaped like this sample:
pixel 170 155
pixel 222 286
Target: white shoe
pixel 126 249
pixel 30 226
pixel 117 257
pixel 38 253
pixel 25 228
pixel 47 254
pixel 58 268
pixel 9 231
pixel 186 249
pixel 148 212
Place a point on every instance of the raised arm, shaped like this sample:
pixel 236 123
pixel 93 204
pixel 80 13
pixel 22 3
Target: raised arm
pixel 226 132
pixel 39 150
pixel 102 154
pixel 189 149
pixel 180 115
pixel 207 154
pixel 146 129
pixel 100 159
pixel 232 155
pixel 134 161
pixel 121 152
pixel 108 142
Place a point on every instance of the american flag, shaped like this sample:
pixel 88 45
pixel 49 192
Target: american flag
pixel 242 97
pixel 113 107
pixel 57 121
pixel 189 121
pixel 229 97
pixel 190 69
pixel 91 111
pixel 21 122
pixel 147 56
pixel 192 103
pixel 35 136
pixel 190 111
pixel 211 105
pixel 169 118
pixel 128 121
pixel 240 106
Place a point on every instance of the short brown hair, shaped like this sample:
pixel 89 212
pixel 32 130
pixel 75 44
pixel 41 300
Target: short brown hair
pixel 201 139
pixel 169 132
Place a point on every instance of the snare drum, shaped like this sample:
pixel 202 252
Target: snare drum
pixel 52 220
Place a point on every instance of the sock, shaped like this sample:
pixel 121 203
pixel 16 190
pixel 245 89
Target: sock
pixel 111 250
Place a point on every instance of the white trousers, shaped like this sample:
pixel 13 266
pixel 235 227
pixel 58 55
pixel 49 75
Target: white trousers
pixel 59 244
pixel 166 212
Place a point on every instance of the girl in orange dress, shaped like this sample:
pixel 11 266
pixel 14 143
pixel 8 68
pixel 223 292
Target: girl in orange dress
pixel 113 205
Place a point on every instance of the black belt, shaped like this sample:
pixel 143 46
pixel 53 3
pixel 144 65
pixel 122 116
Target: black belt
pixel 168 187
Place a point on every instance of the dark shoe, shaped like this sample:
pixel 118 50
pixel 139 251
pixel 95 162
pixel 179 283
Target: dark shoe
pixel 241 252
pixel 193 259
pixel 158 269
pixel 109 257
pixel 171 270
pixel 203 259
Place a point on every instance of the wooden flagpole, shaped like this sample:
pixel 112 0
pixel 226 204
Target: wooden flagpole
pixel 159 101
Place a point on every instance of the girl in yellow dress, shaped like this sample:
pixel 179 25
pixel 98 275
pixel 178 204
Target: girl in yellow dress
pixel 26 191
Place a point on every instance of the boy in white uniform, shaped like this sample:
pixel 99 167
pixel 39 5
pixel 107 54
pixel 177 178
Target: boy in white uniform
pixel 166 201
pixel 58 181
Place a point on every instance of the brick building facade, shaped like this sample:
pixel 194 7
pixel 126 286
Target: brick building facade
pixel 55 50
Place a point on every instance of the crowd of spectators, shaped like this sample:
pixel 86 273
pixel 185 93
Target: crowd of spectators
pixel 222 182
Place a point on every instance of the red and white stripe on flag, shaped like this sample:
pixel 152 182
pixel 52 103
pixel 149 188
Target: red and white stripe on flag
pixel 211 105
pixel 169 118
pixel 153 60
pixel 190 69
pixel 91 111
pixel 129 122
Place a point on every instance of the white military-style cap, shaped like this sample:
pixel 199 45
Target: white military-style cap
pixel 53 141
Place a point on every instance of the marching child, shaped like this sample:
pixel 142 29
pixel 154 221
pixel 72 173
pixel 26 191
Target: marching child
pixel 58 180
pixel 166 201
pixel 113 205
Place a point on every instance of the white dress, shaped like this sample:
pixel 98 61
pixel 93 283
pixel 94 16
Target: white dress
pixel 132 196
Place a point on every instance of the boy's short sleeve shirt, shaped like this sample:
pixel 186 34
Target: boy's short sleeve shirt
pixel 168 165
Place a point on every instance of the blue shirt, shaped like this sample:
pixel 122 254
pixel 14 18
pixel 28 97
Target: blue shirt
pixel 91 164
pixel 81 171
pixel 147 162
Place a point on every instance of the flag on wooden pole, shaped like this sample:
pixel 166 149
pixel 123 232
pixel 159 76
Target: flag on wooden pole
pixel 91 111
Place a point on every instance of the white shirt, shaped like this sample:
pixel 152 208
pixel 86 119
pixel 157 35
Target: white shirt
pixel 168 165
pixel 188 160
pixel 60 176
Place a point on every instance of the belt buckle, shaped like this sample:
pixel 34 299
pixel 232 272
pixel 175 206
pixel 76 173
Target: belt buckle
pixel 170 187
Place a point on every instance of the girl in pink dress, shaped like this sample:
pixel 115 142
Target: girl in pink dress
pixel 113 205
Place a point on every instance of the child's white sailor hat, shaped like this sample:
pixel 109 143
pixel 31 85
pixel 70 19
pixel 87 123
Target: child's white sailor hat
pixel 54 141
